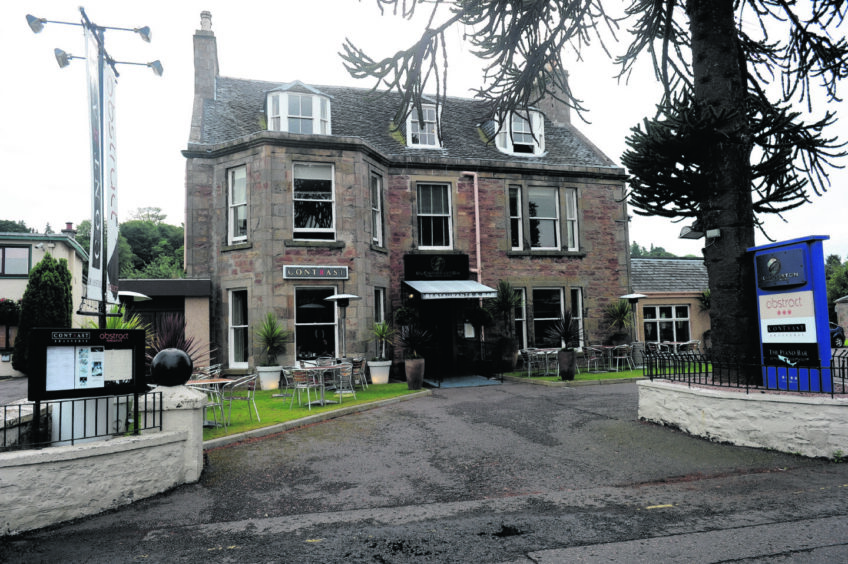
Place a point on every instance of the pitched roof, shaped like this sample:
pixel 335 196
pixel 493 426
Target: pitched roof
pixel 238 111
pixel 668 275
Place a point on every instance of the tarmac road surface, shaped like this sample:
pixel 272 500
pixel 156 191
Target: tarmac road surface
pixel 513 473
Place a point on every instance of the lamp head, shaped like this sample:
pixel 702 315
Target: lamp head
pixel 144 32
pixel 35 24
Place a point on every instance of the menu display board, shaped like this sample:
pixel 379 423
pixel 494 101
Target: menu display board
pixel 69 363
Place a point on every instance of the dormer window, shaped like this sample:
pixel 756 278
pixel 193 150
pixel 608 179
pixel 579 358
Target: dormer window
pixel 422 134
pixel 297 108
pixel 523 135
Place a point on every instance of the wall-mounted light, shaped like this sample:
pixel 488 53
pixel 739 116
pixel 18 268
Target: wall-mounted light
pixel 691 232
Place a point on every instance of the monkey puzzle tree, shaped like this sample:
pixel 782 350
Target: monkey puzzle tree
pixel 725 145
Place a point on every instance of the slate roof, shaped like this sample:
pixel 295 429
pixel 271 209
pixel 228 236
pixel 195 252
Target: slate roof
pixel 650 275
pixel 238 111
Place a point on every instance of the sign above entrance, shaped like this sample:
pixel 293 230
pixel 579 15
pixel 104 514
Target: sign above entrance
pixel 310 272
pixel 435 267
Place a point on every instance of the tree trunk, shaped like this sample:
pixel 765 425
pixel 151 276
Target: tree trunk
pixel 720 89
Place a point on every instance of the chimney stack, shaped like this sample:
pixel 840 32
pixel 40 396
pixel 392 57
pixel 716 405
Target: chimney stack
pixel 205 71
pixel 555 110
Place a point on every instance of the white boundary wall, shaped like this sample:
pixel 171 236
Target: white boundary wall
pixel 43 487
pixel 813 426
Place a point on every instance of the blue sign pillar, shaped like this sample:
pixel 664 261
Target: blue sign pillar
pixel 792 307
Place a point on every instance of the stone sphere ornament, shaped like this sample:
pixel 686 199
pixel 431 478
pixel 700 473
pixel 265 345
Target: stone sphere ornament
pixel 171 367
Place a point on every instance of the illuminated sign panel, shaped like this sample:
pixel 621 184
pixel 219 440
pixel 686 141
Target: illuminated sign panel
pixel 792 306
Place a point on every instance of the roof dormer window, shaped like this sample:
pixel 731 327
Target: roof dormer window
pixel 422 133
pixel 523 134
pixel 297 108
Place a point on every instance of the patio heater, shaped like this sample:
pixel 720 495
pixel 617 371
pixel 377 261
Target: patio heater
pixel 342 301
pixel 633 299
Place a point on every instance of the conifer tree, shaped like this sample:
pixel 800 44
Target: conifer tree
pixel 47 302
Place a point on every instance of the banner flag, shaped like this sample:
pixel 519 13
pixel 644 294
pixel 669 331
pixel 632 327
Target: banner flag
pixel 94 288
pixel 110 182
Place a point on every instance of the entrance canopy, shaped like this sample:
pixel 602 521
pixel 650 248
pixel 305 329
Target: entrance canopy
pixel 451 289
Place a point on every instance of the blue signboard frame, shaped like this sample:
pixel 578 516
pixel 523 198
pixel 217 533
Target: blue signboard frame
pixel 792 311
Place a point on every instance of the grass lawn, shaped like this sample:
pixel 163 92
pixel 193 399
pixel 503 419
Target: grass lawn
pixel 276 410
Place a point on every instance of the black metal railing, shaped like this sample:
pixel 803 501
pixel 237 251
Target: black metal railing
pixel 31 425
pixel 699 369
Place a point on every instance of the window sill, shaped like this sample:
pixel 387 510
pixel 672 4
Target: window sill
pixel 237 247
pixel 379 249
pixel 315 244
pixel 542 254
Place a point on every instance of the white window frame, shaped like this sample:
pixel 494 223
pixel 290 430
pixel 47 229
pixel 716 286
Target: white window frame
pixel 577 314
pixel 572 224
pixel 236 226
pixel 306 233
pixel 235 329
pixel 277 112
pixel 673 320
pixel 521 318
pixel 546 219
pixel 329 329
pixel 377 223
pixel 516 134
pixel 421 216
pixel 537 338
pixel 429 138
pixel 516 217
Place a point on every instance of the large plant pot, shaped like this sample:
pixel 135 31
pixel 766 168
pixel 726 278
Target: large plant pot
pixel 269 377
pixel 380 370
pixel 567 364
pixel 414 373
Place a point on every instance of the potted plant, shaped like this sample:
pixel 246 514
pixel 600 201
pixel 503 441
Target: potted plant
pixel 566 331
pixel 503 305
pixel 381 365
pixel 272 338
pixel 413 339
pixel 619 318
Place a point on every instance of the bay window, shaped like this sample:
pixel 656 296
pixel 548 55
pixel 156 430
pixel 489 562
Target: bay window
pixel 237 205
pixel 377 209
pixel 298 112
pixel 314 323
pixel 313 201
pixel 238 329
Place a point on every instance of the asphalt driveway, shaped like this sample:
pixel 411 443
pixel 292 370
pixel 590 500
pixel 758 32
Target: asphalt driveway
pixel 498 473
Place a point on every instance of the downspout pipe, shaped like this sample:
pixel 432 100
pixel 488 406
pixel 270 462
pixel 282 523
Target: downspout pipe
pixel 479 268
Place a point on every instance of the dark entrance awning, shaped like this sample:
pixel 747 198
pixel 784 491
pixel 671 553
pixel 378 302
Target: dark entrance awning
pixel 451 289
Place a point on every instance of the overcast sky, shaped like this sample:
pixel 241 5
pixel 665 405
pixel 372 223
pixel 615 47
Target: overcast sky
pixel 44 126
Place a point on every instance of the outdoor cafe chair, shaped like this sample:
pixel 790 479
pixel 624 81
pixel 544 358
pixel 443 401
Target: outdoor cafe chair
pixel 532 361
pixel 621 355
pixel 594 356
pixel 241 389
pixel 286 384
pixel 359 378
pixel 303 381
pixel 344 381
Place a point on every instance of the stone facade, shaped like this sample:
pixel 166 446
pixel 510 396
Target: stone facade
pixel 230 129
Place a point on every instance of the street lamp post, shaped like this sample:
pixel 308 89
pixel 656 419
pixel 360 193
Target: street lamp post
pixel 103 257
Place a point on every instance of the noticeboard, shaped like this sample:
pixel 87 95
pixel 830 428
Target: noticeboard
pixel 75 363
